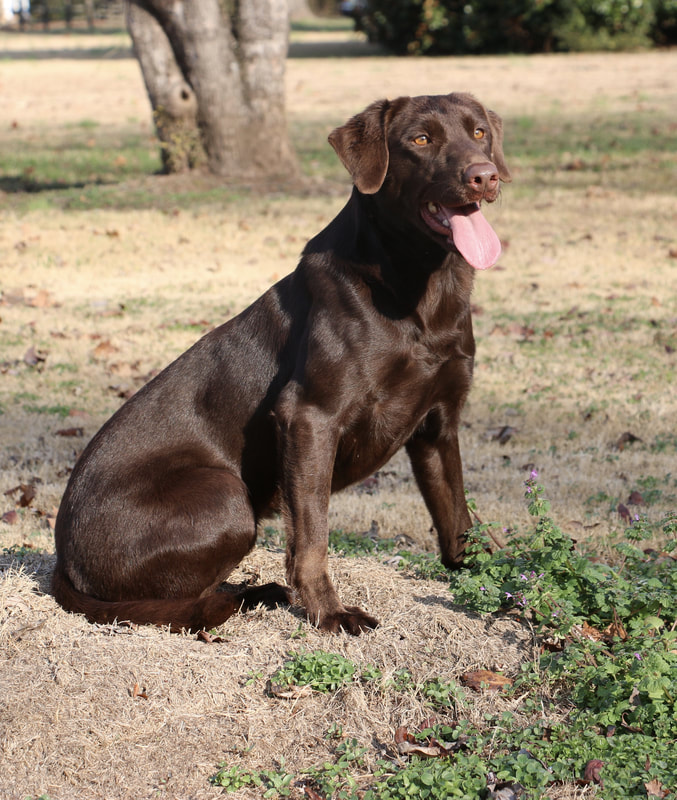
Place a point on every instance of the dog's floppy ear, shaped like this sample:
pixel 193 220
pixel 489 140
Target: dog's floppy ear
pixel 362 146
pixel 497 146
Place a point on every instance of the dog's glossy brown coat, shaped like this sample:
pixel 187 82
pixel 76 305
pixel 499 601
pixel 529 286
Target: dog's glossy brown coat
pixel 367 347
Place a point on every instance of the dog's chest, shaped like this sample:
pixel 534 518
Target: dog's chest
pixel 392 399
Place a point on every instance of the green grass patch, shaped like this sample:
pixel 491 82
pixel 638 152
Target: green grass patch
pixel 321 671
pixel 56 410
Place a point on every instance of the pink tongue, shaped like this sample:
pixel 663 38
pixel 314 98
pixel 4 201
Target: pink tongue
pixel 473 237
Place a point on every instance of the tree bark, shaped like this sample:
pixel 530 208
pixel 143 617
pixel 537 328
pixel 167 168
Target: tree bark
pixel 172 99
pixel 231 65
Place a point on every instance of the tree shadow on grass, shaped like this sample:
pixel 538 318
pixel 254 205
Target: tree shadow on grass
pixel 76 54
pixel 336 49
pixel 19 184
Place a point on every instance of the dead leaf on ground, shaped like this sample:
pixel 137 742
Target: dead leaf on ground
pixel 615 629
pixel 70 432
pixel 626 438
pixel 41 299
pixel 10 517
pixel 592 772
pixel 104 349
pixel 485 679
pixel 504 434
pixel 27 492
pixel 654 788
pixel 137 691
pixel 409 745
pixel 635 499
pixel 502 790
pixel 33 356
pixel 588 632
pixel 288 692
pixel 624 513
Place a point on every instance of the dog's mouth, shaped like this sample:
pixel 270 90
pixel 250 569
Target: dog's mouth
pixel 466 228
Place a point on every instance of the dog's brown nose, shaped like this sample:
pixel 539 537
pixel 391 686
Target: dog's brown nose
pixel 481 178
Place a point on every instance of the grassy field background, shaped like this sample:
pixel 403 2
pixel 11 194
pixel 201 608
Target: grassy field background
pixel 108 272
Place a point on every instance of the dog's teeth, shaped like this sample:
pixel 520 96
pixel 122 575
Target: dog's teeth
pixel 433 208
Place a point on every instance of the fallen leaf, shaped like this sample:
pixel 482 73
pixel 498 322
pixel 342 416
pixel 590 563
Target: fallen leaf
pixel 27 494
pixel 137 691
pixel 408 745
pixel 70 432
pixel 422 750
pixel 615 629
pixel 654 788
pixel 312 794
pixel 591 633
pixel 10 517
pixel 635 499
pixel 403 735
pixel 33 357
pixel 624 513
pixel 288 692
pixel 626 438
pixel 502 790
pixel 504 434
pixel 485 679
pixel 592 772
pixel 104 349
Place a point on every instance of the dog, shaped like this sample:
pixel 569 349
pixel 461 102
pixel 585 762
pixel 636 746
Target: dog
pixel 367 347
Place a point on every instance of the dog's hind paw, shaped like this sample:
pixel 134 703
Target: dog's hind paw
pixel 270 594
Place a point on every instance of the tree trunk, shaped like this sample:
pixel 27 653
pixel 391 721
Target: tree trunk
pixel 173 101
pixel 232 67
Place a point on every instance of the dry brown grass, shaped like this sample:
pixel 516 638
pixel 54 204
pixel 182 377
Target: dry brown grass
pixel 128 290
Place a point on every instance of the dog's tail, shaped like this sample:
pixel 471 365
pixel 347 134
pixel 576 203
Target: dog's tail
pixel 192 613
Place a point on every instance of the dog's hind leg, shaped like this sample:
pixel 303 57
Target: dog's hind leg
pixel 162 553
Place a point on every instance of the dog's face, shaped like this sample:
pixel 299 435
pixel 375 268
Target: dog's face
pixel 433 159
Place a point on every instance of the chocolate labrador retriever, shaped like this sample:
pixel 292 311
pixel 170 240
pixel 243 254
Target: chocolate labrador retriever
pixel 366 347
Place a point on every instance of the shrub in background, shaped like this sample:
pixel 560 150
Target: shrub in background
pixel 434 27
pixel 664 28
pixel 608 25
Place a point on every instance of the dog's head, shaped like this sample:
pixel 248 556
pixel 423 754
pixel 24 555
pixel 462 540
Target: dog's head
pixel 435 157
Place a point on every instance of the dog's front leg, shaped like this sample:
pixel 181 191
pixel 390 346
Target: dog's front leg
pixel 307 447
pixel 436 463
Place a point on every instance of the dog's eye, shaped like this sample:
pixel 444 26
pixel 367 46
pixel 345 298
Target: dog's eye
pixel 422 140
pixel 479 133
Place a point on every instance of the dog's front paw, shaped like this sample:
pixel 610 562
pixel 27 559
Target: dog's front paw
pixel 351 620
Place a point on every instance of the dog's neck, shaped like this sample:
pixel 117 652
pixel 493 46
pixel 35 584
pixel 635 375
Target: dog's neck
pixel 401 265
pixel 406 265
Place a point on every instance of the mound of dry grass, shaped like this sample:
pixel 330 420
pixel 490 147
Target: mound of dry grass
pixel 73 724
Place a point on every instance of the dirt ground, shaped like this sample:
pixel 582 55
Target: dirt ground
pixel 111 296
